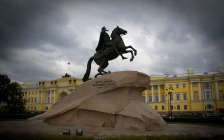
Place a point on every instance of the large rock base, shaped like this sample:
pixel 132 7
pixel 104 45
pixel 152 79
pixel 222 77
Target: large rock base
pixel 112 100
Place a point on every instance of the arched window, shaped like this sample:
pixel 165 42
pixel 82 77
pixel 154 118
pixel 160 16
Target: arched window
pixel 209 106
pixel 46 108
pixel 62 95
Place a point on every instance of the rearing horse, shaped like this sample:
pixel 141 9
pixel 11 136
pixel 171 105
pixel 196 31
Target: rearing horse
pixel 110 53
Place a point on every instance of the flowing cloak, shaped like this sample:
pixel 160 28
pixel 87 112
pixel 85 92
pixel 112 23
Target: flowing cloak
pixel 104 37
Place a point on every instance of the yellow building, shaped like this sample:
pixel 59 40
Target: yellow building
pixel 40 96
pixel 190 93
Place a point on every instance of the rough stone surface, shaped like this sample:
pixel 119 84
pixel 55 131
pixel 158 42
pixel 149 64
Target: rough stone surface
pixel 113 100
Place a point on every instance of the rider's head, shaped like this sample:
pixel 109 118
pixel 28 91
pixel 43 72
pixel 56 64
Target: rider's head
pixel 104 29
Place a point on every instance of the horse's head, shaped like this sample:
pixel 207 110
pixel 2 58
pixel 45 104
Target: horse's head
pixel 118 31
pixel 121 31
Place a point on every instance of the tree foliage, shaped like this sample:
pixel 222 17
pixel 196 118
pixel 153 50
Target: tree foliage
pixel 11 96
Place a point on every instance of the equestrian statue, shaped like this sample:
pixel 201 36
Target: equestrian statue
pixel 107 50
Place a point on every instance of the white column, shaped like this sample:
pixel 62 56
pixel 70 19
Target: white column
pixel 146 96
pixel 152 93
pixel 199 90
pixel 50 96
pixel 38 97
pixel 159 93
pixel 217 90
pixel 191 89
pixel 54 96
pixel 42 96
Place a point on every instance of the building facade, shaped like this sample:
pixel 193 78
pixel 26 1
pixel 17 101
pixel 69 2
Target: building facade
pixel 41 96
pixel 190 93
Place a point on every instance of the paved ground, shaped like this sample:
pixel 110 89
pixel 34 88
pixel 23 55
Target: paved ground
pixel 38 126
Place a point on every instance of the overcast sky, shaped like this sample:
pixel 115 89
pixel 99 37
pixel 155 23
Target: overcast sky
pixel 39 37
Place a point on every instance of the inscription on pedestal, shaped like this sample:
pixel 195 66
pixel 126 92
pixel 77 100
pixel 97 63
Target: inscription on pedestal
pixel 103 83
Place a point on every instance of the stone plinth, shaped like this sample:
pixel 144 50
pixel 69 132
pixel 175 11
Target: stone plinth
pixel 112 100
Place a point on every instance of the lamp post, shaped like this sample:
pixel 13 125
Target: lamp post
pixel 169 102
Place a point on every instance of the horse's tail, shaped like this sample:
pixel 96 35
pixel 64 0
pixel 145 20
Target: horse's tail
pixel 88 69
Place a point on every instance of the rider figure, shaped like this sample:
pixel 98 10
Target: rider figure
pixel 105 41
pixel 104 38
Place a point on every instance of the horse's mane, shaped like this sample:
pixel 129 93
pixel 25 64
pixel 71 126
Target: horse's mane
pixel 113 34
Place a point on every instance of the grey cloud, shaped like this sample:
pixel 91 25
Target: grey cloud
pixel 186 34
pixel 29 23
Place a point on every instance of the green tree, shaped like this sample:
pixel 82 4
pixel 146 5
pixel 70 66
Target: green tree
pixel 11 95
pixel 4 85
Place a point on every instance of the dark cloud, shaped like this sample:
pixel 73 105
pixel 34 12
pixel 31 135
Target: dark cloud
pixel 38 38
pixel 31 23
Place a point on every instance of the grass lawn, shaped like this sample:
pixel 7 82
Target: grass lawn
pixel 30 136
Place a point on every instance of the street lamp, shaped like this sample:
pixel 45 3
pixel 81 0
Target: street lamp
pixel 169 101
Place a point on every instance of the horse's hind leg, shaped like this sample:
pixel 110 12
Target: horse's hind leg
pixel 104 63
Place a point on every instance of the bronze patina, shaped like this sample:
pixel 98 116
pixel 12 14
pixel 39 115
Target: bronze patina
pixel 108 50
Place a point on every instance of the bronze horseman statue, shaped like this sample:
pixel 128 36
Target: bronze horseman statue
pixel 107 50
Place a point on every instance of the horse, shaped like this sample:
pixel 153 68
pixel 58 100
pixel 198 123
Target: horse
pixel 109 53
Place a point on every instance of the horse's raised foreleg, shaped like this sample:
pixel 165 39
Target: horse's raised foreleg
pixel 135 51
pixel 130 51
pixel 123 57
pixel 119 53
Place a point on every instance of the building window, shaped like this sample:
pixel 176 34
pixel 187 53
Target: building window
pixel 178 107
pixel 163 107
pixel 209 106
pixel 185 107
pixel 46 108
pixel 157 98
pixel 184 85
pixel 163 98
pixel 171 107
pixel 178 96
pixel 195 95
pixel 207 85
pixel 207 95
pixel 171 96
pixel 48 97
pixel 144 98
pixel 150 98
pixel 221 94
pixel 156 107
pixel 185 96
pixel 170 86
pixel 48 100
pixel 162 87
pixel 177 85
